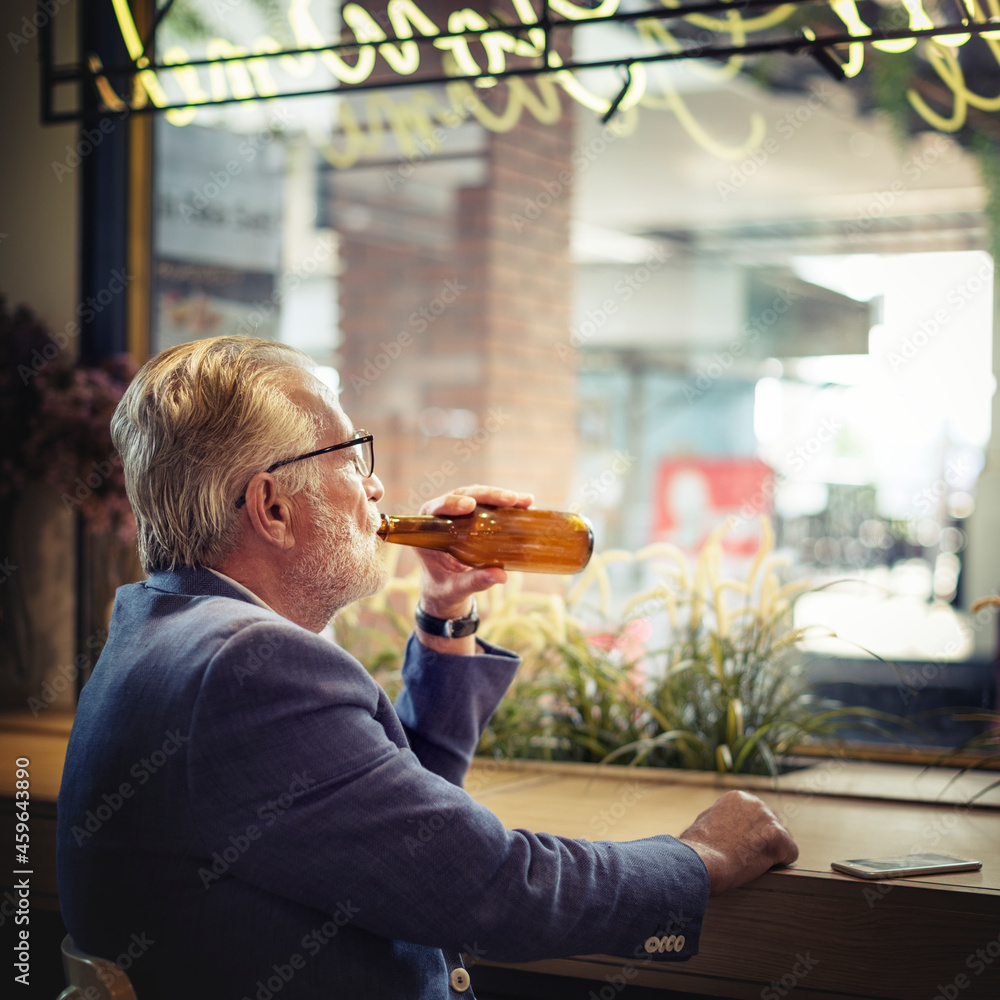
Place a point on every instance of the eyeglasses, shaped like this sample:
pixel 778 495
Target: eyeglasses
pixel 363 457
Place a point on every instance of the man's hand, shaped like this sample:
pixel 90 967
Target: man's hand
pixel 446 585
pixel 739 838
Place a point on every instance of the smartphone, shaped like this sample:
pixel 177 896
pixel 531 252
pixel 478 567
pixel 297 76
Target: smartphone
pixel 907 864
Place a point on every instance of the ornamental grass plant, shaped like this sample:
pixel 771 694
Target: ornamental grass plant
pixel 726 691
pixel 984 747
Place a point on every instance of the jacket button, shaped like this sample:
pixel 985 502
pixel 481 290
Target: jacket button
pixel 460 980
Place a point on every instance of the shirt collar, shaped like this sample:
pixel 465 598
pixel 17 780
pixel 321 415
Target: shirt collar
pixel 236 585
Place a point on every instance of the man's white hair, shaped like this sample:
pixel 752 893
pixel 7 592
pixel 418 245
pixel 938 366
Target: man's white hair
pixel 196 423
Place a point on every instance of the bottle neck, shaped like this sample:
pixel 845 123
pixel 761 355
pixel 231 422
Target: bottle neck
pixel 426 531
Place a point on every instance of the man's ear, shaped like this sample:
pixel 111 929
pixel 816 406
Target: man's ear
pixel 269 512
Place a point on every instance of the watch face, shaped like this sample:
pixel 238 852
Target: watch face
pixel 461 627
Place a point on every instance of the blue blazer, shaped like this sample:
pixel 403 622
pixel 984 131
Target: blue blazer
pixel 244 815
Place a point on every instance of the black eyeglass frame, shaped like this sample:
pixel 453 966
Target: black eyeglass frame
pixel 361 437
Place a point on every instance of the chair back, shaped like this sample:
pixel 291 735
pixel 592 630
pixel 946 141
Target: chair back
pixel 91 977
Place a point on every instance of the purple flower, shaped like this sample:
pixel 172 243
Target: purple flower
pixel 58 418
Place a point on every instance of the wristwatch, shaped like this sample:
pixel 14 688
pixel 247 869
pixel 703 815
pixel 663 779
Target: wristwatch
pixel 448 628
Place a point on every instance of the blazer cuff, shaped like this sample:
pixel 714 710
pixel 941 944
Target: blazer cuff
pixel 447 701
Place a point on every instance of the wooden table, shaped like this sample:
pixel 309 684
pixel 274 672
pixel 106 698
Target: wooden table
pixel 806 929
pixel 42 741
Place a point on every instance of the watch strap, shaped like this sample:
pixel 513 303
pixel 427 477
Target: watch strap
pixel 448 628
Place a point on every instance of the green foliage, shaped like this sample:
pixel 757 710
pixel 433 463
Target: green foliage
pixel 192 21
pixel 185 21
pixel 891 79
pixel 733 702
pixel 576 702
pixel 987 151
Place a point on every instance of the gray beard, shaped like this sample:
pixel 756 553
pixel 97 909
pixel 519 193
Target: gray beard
pixel 345 566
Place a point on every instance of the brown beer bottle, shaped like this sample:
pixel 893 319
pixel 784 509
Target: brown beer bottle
pixel 517 538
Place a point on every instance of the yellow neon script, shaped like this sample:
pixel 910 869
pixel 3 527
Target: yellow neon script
pixel 253 76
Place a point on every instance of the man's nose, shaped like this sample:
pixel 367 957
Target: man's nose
pixel 374 488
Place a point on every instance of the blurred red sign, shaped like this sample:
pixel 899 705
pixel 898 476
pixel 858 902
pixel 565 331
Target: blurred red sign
pixel 694 496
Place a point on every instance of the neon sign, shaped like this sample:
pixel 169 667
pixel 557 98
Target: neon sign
pixel 249 72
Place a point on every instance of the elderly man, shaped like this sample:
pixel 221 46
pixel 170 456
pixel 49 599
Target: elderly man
pixel 243 813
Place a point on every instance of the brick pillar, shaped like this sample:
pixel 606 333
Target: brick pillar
pixel 530 372
pixel 479 322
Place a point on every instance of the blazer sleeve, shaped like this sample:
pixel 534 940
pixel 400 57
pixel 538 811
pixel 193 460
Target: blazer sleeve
pixel 292 765
pixel 447 702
